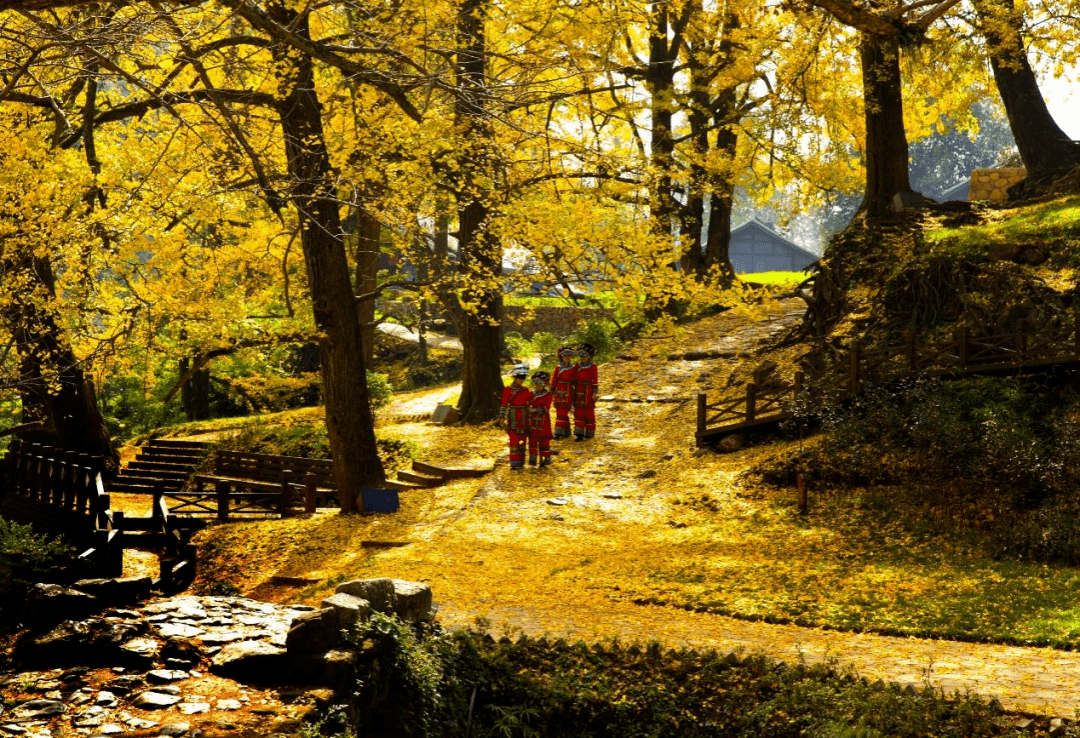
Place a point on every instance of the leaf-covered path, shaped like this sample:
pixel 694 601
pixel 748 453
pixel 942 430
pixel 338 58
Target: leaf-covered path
pixel 636 514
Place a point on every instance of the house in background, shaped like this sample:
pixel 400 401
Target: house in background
pixel 757 248
pixel 956 192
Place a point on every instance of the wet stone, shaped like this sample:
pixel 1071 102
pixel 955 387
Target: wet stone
pixel 110 729
pixel 229 705
pixel 178 630
pixel 174 729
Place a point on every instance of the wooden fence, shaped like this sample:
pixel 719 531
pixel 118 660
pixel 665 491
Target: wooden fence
pixel 62 492
pixel 967 352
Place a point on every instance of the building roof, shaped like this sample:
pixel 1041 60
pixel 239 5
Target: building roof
pixel 754 223
pixel 958 191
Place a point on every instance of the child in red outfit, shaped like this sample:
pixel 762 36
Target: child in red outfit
pixel 540 420
pixel 562 385
pixel 585 386
pixel 515 413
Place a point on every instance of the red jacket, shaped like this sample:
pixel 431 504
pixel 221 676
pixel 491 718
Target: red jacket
pixel 515 400
pixel 562 384
pixel 585 385
pixel 539 417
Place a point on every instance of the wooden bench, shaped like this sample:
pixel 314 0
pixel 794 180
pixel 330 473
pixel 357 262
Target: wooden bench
pixel 257 485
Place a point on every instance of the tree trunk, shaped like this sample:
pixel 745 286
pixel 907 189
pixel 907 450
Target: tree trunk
pixel 660 81
pixel 195 393
pixel 1044 147
pixel 349 420
pixel 480 253
pixel 53 387
pixel 368 232
pixel 886 140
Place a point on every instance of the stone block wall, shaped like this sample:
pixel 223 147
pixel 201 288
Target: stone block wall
pixel 993 184
pixel 562 321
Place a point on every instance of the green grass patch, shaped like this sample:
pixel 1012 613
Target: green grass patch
pixel 775 277
pixel 1055 223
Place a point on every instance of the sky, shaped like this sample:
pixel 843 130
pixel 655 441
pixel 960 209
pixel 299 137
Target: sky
pixel 1063 100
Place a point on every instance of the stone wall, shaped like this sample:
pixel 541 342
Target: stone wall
pixel 993 184
pixel 562 321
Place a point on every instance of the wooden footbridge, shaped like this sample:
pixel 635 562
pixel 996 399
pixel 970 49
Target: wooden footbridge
pixel 766 401
pixel 60 491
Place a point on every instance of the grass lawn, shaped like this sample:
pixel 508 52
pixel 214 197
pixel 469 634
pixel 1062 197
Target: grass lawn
pixel 1054 222
pixel 775 277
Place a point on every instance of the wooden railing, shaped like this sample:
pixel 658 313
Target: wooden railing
pixel 62 491
pixel 967 352
pixel 62 484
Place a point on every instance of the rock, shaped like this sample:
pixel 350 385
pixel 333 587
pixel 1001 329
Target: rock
pixel 91 717
pixel 164 676
pixel 336 669
pixel 193 708
pixel 379 592
pixel 412 600
pixel 37 709
pixel 155 700
pixel 249 660
pixel 612 496
pixel 181 653
pixel 313 632
pixel 125 684
pixel 557 501
pixel 668 456
pixel 229 705
pixel 95 642
pixel 105 698
pixel 348 609
pixel 647 474
pixel 1024 724
pixel 181 630
pixel 118 591
pixel 110 729
pixel 1057 726
pixel 174 729
pixel 703 451
pixel 48 604
pixel 732 442
pixel 222 636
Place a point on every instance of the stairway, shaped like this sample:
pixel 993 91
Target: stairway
pixel 427 476
pixel 163 461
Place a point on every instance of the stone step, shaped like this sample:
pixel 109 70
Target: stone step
pixel 170 443
pixel 160 466
pixel 420 480
pixel 135 473
pixel 437 471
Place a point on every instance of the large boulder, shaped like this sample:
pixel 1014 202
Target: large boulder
pixel 254 661
pixel 412 600
pixel 49 604
pixel 348 609
pixel 378 592
pixel 116 591
pixel 314 631
pixel 334 669
pixel 93 642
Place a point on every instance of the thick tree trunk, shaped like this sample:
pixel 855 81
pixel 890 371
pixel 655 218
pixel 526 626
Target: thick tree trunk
pixel 479 251
pixel 886 140
pixel 349 420
pixel 54 389
pixel 660 81
pixel 1044 147
pixel 368 231
pixel 195 393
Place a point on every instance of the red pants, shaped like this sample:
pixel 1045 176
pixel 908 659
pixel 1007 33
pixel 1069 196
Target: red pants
pixel 517 447
pixel 584 421
pixel 541 444
pixel 562 421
